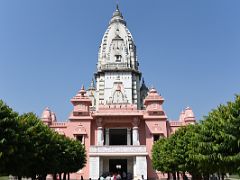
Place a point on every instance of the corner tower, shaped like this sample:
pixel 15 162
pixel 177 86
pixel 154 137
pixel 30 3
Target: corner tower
pixel 117 77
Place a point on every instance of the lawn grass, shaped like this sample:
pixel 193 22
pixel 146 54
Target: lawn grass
pixel 3 177
pixel 234 177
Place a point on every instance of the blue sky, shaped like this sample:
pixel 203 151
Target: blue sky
pixel 189 50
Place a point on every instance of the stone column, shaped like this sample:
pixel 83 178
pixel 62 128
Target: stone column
pixel 140 167
pixel 135 136
pixel 134 168
pixel 128 136
pixel 100 136
pixel 94 167
pixel 100 166
pixel 99 132
pixel 107 136
pixel 135 133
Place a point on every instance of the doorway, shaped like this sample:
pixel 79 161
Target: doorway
pixel 118 166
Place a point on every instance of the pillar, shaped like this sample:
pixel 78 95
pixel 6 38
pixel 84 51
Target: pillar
pixel 100 136
pixel 140 167
pixel 99 132
pixel 135 136
pixel 128 136
pixel 134 168
pixel 107 136
pixel 101 166
pixel 94 167
pixel 135 133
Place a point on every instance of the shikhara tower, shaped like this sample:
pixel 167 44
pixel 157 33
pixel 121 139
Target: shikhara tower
pixel 118 77
pixel 118 118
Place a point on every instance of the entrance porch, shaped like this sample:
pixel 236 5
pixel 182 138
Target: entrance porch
pixel 118 159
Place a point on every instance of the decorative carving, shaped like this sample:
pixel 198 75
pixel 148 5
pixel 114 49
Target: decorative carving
pixel 156 129
pixel 99 122
pixel 135 122
pixel 79 130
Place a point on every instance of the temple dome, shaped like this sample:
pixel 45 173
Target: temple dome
pixel 117 49
pixel 189 113
pixel 189 116
pixel 46 115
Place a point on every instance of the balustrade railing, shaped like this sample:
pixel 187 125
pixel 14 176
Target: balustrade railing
pixel 118 149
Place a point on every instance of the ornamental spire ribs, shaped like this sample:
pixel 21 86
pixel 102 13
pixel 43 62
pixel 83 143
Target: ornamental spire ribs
pixel 117 64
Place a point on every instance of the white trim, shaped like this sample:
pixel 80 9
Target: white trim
pixel 118 154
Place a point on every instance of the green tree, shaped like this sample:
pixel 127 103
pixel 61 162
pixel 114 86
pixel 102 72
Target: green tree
pixel 175 154
pixel 219 139
pixel 211 147
pixel 8 136
pixel 185 149
pixel 48 152
pixel 163 156
pixel 28 148
pixel 70 156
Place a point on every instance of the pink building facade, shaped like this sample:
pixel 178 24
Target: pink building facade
pixel 118 118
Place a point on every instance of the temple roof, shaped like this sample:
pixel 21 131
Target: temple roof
pixel 81 97
pixel 153 96
pixel 117 17
pixel 117 40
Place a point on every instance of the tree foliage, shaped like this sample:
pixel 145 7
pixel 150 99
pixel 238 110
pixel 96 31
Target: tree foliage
pixel 28 148
pixel 8 135
pixel 219 139
pixel 210 147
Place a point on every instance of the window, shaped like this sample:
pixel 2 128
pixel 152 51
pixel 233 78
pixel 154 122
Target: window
pixel 79 138
pixel 156 137
pixel 118 58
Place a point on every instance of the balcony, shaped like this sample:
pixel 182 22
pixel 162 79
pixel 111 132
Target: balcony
pixel 117 150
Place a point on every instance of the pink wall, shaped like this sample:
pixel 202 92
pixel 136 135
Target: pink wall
pixel 152 121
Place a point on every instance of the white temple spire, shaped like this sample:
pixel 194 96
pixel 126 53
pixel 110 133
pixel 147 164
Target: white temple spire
pixel 117 65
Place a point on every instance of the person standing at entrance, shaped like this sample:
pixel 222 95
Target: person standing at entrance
pixel 108 177
pixel 118 176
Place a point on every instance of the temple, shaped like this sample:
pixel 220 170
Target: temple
pixel 118 118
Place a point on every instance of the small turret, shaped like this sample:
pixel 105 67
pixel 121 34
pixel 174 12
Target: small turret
pixel 46 116
pixel 81 103
pixel 153 103
pixel 189 116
